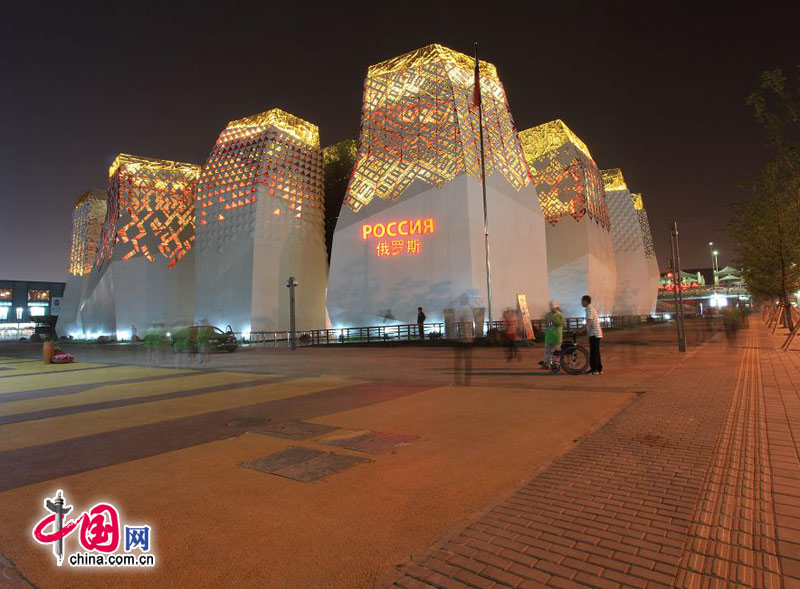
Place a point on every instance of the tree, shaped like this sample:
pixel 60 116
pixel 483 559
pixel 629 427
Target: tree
pixel 766 229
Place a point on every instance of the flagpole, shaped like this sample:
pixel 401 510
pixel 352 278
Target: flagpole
pixel 479 100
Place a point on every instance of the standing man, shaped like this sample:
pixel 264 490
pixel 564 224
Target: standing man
pixel 595 332
pixel 421 322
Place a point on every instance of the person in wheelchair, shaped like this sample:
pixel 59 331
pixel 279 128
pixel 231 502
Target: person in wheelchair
pixel 554 320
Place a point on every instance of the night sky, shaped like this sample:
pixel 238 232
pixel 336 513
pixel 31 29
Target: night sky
pixel 655 89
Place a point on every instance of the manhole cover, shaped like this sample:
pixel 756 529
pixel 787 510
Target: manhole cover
pixel 371 442
pixel 319 467
pixel 304 464
pixel 295 430
pixel 247 421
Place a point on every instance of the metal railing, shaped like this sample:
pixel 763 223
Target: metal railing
pixel 408 332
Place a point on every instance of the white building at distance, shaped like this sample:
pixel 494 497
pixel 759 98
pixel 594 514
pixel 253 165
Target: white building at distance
pixel 636 290
pixel 145 268
pixel 580 253
pixel 411 231
pixel 259 209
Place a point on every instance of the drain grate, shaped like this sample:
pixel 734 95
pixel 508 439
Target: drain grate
pixel 295 430
pixel 371 442
pixel 304 464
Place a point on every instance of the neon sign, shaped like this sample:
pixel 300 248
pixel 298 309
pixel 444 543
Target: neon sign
pixel 401 231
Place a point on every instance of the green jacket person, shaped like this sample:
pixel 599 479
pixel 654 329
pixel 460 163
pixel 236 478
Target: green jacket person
pixel 554 320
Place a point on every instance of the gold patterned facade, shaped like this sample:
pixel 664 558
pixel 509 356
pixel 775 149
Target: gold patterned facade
pixel 644 223
pixel 613 180
pixel 88 217
pixel 567 179
pixel 150 209
pixel 272 155
pixel 420 122
pixel 288 123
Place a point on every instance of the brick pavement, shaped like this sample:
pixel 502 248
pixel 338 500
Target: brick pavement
pixel 695 484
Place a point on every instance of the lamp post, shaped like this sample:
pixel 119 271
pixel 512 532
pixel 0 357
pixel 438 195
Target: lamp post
pixel 676 280
pixel 292 283
pixel 714 262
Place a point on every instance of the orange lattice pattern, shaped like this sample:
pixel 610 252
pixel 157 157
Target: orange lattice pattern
pixel 419 121
pixel 275 152
pixel 150 209
pixel 567 180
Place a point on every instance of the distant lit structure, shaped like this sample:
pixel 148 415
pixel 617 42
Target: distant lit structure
pixel 144 270
pixel 700 294
pixel 260 219
pixel 88 216
pixel 87 229
pixel 419 161
pixel 636 291
pixel 580 253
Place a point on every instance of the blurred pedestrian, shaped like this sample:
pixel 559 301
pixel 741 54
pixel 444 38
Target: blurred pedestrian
pixel 511 324
pixel 462 345
pixel 595 333
pixel 203 341
pixel 155 340
pixel 421 322
pixel 554 322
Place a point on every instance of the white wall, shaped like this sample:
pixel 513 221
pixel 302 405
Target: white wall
pixel 363 286
pixel 634 288
pixel 580 260
pixel 244 262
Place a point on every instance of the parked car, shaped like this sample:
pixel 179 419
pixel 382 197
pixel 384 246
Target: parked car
pixel 189 338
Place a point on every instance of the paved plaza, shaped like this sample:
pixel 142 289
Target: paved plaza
pixel 669 470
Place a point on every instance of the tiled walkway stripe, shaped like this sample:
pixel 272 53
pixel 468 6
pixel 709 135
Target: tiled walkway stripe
pixel 732 536
pixel 781 383
pixel 614 511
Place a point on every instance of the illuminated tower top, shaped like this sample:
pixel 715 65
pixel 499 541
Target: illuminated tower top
pixel 87 229
pixel 566 177
pixel 150 209
pixel 419 121
pixel 263 177
pixel 613 180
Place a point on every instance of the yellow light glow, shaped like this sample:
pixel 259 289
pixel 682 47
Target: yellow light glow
pixel 613 180
pixel 288 123
pixel 548 137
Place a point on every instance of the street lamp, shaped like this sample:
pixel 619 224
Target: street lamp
pixel 714 267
